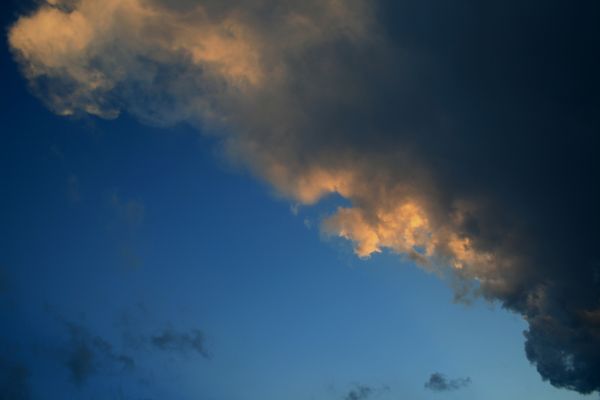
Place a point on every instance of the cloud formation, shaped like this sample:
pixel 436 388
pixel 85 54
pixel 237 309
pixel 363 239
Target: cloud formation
pixel 361 392
pixel 89 354
pixel 181 342
pixel 457 142
pixel 364 392
pixel 439 383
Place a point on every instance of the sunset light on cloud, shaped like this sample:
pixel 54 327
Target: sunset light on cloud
pixel 459 139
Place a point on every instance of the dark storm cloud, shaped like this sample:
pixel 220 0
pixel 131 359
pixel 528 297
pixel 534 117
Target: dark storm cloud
pixel 463 135
pixel 180 342
pixel 517 86
pixel 14 381
pixel 88 354
pixel 439 383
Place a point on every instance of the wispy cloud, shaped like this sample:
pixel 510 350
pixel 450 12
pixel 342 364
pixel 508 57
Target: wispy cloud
pixel 364 392
pixel 88 354
pixel 439 383
pixel 181 342
pixel 361 392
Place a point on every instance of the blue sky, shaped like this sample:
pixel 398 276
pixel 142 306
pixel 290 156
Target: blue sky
pixel 123 232
pixel 286 313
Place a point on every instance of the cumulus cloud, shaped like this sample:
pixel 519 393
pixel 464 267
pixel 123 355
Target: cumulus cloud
pixel 163 61
pixel 439 383
pixel 457 142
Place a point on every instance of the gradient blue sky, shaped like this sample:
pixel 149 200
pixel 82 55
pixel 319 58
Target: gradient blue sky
pixel 127 230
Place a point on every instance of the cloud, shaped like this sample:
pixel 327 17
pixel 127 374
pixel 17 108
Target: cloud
pixel 439 383
pixel 180 342
pixel 364 392
pixel 14 381
pixel 91 359
pixel 89 354
pixel 465 146
pixel 101 55
pixel 360 392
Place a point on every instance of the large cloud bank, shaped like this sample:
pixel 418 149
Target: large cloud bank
pixel 462 135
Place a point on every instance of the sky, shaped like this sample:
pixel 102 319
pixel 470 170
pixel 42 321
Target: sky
pixel 299 200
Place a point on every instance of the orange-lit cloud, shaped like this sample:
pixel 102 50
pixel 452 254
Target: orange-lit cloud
pixel 268 76
pixel 96 46
pixel 316 98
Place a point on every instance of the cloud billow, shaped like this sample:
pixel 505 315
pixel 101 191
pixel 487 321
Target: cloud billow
pixel 461 143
